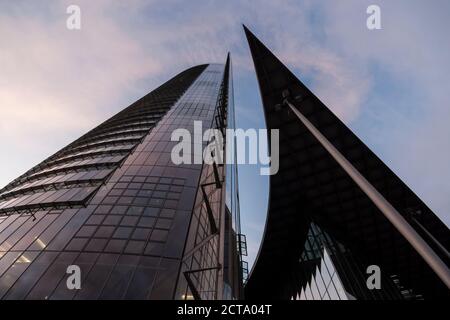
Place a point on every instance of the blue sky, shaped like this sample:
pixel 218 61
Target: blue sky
pixel 390 86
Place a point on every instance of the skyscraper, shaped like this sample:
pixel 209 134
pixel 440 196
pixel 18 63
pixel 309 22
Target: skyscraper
pixel 114 208
pixel 114 204
pixel 341 225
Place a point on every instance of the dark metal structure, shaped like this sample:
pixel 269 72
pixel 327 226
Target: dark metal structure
pixel 324 230
pixel 114 204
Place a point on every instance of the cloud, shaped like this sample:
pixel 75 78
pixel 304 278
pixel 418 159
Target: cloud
pixel 51 75
pixel 406 111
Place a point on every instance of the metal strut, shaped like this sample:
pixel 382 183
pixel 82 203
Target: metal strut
pixel 191 284
pixel 397 220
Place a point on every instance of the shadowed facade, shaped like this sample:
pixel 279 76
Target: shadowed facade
pixel 322 231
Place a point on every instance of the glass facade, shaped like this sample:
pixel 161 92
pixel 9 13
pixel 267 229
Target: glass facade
pixel 235 249
pixel 321 279
pixel 211 256
pixel 114 204
pixel 324 284
pixel 327 270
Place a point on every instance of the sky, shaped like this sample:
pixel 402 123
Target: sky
pixel 390 86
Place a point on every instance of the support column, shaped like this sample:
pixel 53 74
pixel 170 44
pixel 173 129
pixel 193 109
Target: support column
pixel 425 251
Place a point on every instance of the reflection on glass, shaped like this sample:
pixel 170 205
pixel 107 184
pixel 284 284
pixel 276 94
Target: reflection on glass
pixel 40 243
pixel 23 259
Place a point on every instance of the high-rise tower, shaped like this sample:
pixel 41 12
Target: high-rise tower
pixel 114 204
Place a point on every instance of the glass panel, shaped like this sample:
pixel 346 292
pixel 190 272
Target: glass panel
pixel 27 280
pixel 302 295
pixel 95 281
pixel 54 274
pixel 308 293
pixel 332 292
pixel 15 271
pixel 320 284
pixel 314 289
pixel 34 233
pixel 85 261
pixel 120 277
